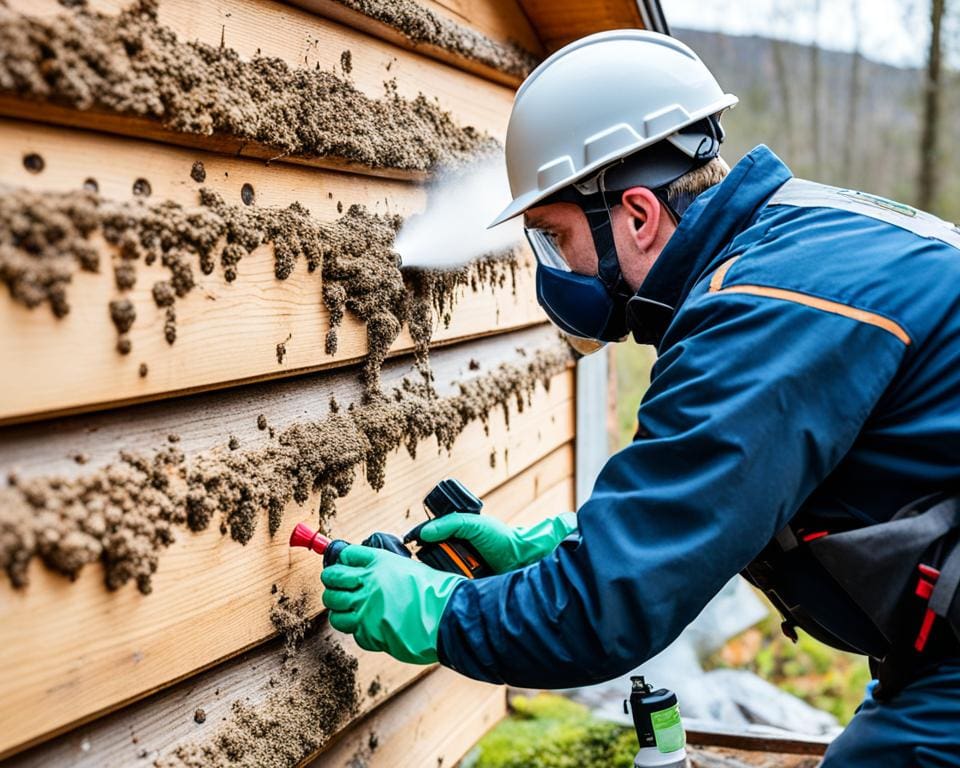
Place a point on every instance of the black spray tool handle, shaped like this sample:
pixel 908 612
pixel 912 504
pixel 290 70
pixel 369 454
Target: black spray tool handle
pixel 378 540
pixel 453 555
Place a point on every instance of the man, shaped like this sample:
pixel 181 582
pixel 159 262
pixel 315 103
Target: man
pixel 806 391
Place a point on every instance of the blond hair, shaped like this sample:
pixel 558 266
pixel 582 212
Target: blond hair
pixel 681 192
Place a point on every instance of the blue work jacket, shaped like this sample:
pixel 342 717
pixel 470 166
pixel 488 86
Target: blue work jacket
pixel 812 363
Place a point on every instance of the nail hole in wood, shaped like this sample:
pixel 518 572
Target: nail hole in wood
pixel 33 162
pixel 141 188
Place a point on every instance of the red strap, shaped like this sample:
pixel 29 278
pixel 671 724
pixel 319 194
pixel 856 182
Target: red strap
pixel 815 535
pixel 931 573
pixel 925 590
pixel 924 634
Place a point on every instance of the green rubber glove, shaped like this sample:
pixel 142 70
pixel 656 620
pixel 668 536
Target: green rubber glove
pixel 504 547
pixel 388 602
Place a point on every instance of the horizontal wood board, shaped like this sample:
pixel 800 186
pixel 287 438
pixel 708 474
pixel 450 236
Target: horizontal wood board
pixel 501 20
pixel 558 22
pixel 472 13
pixel 706 735
pixel 226 332
pixel 434 722
pixel 301 39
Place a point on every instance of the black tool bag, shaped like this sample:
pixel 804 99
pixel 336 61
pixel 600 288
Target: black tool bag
pixel 888 591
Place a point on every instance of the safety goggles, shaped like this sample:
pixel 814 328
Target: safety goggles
pixel 543 243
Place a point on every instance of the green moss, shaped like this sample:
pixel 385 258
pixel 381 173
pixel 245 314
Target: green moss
pixel 548 731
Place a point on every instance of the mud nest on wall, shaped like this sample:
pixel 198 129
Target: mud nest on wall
pixel 304 703
pixel 420 24
pixel 124 514
pixel 130 64
pixel 46 238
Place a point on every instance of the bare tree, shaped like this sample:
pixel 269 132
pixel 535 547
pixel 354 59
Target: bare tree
pixel 783 76
pixel 928 177
pixel 815 90
pixel 853 99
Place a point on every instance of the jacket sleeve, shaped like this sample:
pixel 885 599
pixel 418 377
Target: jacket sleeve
pixel 748 412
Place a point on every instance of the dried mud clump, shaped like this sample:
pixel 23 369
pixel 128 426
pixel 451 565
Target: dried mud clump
pixel 45 238
pixel 43 242
pixel 420 24
pixel 132 65
pixel 125 513
pixel 290 617
pixel 121 515
pixel 197 172
pixel 363 276
pixel 311 698
pixel 361 273
pixel 123 314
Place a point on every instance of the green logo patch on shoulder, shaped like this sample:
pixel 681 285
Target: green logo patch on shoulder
pixel 878 202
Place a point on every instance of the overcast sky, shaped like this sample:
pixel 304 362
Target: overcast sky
pixel 891 31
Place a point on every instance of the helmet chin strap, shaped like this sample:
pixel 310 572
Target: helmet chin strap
pixel 596 202
pixel 644 318
pixel 597 208
pixel 608 259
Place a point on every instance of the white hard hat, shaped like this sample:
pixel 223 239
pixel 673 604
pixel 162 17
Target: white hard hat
pixel 600 99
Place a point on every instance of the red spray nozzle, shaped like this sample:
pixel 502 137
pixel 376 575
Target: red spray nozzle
pixel 304 536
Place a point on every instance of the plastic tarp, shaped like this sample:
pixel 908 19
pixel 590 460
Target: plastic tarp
pixel 722 697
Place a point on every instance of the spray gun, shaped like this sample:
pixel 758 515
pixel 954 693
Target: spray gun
pixel 656 718
pixel 453 555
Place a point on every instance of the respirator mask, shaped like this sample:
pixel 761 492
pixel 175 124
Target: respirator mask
pixel 592 309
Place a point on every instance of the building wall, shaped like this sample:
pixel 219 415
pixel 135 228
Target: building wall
pixel 205 341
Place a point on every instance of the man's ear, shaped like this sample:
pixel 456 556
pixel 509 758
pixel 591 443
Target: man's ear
pixel 644 209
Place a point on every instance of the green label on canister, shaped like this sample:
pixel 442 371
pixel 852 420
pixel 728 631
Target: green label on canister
pixel 668 730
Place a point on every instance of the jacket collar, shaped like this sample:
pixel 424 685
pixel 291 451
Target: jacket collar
pixel 711 222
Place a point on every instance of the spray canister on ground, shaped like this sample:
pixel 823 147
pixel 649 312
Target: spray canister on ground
pixel 656 718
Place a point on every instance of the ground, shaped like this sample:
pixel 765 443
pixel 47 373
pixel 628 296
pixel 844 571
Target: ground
pixel 548 731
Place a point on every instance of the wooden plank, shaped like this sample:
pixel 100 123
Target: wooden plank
pixel 735 758
pixel 788 744
pixel 142 128
pixel 158 724
pixel 202 422
pixel 558 22
pixel 502 20
pixel 131 644
pixel 227 332
pixel 434 722
pixel 302 40
pixel 72 157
